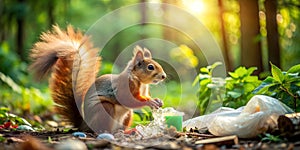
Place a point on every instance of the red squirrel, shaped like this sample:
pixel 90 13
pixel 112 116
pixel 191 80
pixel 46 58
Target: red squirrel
pixel 102 104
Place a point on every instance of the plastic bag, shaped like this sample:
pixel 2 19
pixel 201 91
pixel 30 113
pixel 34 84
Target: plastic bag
pixel 259 115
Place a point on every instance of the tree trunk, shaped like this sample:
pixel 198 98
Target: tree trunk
pixel 20 35
pixel 250 30
pixel 272 32
pixel 2 22
pixel 168 33
pixel 224 37
pixel 51 12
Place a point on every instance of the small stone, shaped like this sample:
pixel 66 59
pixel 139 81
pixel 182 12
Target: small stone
pixel 79 134
pixel 105 136
pixel 25 128
pixel 71 145
pixel 37 118
pixel 52 123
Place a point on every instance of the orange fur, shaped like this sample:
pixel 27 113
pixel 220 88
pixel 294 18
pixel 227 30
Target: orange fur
pixel 58 51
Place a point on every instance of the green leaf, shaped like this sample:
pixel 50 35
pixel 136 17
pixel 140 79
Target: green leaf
pixel 200 77
pixel 49 139
pixel 233 75
pixel 251 79
pixel 20 120
pixel 4 109
pixel 213 66
pixel 2 139
pixel 277 74
pixel 291 77
pixel 251 70
pixel 197 79
pixel 204 76
pixel 234 94
pixel 294 69
pixel 275 87
pixel 241 71
pixel 263 87
pixel 6 79
pixel 203 105
pixel 204 70
pixel 66 130
pixel 205 82
pixel 204 94
pixel 248 87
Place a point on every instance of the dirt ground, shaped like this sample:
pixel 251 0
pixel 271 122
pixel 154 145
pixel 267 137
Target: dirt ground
pixel 13 140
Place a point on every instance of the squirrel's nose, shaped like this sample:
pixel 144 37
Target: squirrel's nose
pixel 163 76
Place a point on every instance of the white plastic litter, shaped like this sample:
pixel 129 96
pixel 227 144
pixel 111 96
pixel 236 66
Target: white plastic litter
pixel 259 115
pixel 158 125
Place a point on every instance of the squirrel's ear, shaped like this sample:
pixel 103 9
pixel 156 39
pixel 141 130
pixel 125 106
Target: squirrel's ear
pixel 138 57
pixel 147 53
pixel 136 49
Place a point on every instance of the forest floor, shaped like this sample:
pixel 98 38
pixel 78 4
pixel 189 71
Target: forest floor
pixel 171 139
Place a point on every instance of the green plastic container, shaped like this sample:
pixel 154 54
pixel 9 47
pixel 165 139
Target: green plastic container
pixel 175 121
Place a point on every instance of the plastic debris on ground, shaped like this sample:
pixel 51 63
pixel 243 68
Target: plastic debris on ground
pixel 79 134
pixel 25 128
pixel 158 125
pixel 105 136
pixel 259 115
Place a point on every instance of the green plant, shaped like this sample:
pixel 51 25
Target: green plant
pixel 8 120
pixel 239 86
pixel 270 138
pixel 11 65
pixel 284 86
pixel 2 139
pixel 203 79
pixel 142 117
pixel 21 99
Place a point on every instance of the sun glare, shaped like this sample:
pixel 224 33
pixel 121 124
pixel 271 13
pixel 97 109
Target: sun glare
pixel 194 6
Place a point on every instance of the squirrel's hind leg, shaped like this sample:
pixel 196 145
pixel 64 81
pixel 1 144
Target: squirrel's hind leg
pixel 128 120
pixel 100 118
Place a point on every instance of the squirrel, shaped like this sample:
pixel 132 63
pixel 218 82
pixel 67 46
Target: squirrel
pixel 91 103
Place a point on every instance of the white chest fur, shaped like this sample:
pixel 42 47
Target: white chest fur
pixel 121 114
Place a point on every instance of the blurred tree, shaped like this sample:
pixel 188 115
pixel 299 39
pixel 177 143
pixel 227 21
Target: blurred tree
pixel 250 44
pixel 21 29
pixel 22 21
pixel 224 37
pixel 272 32
pixel 169 33
pixel 288 19
pixel 20 17
pixel 50 12
pixel 12 22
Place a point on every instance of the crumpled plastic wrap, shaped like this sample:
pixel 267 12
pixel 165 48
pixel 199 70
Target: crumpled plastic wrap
pixel 158 125
pixel 259 115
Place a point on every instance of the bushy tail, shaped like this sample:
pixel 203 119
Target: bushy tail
pixel 74 64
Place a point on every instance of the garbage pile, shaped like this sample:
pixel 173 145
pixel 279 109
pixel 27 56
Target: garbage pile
pixel 163 118
pixel 259 115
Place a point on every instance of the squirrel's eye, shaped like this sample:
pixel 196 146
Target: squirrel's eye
pixel 150 67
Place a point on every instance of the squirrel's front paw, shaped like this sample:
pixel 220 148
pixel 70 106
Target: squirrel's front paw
pixel 159 101
pixel 155 103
